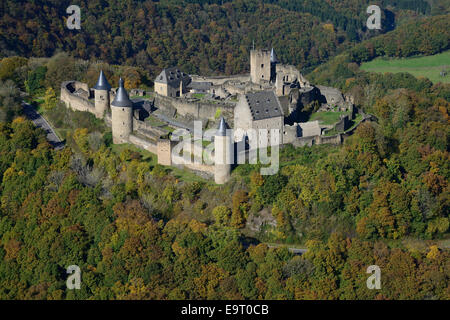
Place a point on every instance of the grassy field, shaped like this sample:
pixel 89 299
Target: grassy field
pixel 428 66
pixel 155 122
pixel 147 96
pixel 327 117
pixel 198 95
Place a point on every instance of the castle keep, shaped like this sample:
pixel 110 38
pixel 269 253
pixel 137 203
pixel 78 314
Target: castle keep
pixel 271 97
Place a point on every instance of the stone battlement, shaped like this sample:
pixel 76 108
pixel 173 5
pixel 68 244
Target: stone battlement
pixel 196 109
pixel 75 101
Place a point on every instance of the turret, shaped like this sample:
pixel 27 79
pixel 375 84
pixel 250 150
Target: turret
pixel 101 92
pixel 222 154
pixel 122 115
pixel 273 57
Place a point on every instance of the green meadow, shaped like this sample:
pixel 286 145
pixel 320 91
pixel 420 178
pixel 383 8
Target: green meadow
pixel 427 66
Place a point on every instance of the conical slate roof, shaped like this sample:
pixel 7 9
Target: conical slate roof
pixel 102 83
pixel 222 130
pixel 121 99
pixel 273 56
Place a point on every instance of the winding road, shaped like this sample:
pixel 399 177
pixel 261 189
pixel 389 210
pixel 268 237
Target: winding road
pixel 293 250
pixel 40 122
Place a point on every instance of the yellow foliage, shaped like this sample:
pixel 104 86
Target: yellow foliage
pixel 197 226
pixel 19 120
pixel 207 284
pixel 49 99
pixel 433 253
pixel 8 173
pixel 81 139
pixel 328 27
pixel 349 81
pixel 12 248
pixel 177 249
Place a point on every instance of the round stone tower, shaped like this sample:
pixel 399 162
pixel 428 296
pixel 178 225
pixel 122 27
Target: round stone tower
pixel 101 92
pixel 222 154
pixel 121 115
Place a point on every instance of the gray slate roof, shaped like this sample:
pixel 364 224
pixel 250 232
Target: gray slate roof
pixel 222 130
pixel 121 99
pixel 273 56
pixel 263 105
pixel 102 83
pixel 172 76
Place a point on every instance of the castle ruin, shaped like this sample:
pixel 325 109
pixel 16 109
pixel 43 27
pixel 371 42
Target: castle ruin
pixel 270 97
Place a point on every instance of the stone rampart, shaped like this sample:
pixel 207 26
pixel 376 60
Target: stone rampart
pixel 146 129
pixel 178 161
pixel 314 140
pixel 143 143
pixel 73 101
pixel 219 80
pixel 194 108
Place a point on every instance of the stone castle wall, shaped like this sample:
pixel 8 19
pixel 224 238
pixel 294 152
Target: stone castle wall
pixel 141 130
pixel 146 129
pixel 73 101
pixel 290 73
pixel 307 95
pixel 143 143
pixel 201 168
pixel 342 124
pixel 336 140
pixel 219 80
pixel 243 88
pixel 108 120
pixel 332 95
pixel 315 140
pixel 196 109
pixel 290 133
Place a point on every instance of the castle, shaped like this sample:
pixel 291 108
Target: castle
pixel 270 97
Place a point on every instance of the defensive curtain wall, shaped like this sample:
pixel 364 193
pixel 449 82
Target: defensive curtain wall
pixel 144 135
pixel 219 80
pixel 72 94
pixel 195 108
pixel 335 139
pixel 76 96
pixel 223 86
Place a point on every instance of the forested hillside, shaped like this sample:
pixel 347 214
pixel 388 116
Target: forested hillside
pixel 139 230
pixel 424 37
pixel 139 233
pixel 199 36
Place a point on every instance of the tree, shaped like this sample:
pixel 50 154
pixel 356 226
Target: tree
pixel 222 215
pixel 10 101
pixel 35 82
pixel 49 99
pixel 240 208
pixel 9 68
